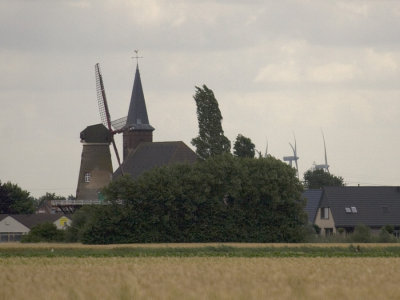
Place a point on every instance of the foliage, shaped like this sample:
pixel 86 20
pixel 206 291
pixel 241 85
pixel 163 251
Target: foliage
pixel 206 250
pixel 45 232
pixel 220 199
pixel 14 200
pixel 389 228
pixel 361 234
pixel 341 230
pixel 317 229
pixel 386 235
pixel 79 219
pixel 48 196
pixel 211 139
pixel 316 179
pixel 243 147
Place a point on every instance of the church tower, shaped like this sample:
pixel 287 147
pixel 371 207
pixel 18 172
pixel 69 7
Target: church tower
pixel 137 128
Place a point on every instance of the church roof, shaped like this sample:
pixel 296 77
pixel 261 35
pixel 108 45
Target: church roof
pixel 156 154
pixel 137 115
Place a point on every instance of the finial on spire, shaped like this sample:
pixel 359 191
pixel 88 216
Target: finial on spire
pixel 137 57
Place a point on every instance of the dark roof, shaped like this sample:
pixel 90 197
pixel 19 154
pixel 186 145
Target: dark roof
pixel 150 155
pixel 137 115
pixel 371 206
pixel 313 198
pixel 96 134
pixel 34 219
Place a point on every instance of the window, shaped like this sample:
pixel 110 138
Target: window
pixel 87 177
pixel 353 209
pixel 324 212
pixel 328 231
pixel 348 210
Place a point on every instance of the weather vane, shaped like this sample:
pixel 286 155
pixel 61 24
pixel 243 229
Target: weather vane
pixel 137 56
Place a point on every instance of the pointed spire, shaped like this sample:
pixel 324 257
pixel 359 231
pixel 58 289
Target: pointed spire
pixel 137 115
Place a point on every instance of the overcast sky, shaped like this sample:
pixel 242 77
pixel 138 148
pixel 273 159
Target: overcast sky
pixel 277 68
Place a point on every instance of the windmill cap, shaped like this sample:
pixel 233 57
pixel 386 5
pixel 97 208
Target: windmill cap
pixel 96 134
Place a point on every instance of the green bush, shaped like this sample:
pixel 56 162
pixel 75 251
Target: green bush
pixel 386 236
pixel 317 229
pixel 361 234
pixel 45 232
pixel 221 199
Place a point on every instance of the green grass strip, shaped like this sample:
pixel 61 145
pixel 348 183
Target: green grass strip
pixel 207 251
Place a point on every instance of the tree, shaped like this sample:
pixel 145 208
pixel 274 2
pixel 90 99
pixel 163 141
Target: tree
pixel 211 139
pixel 48 196
pixel 14 200
pixel 362 234
pixel 221 199
pixel 243 147
pixel 316 179
pixel 45 232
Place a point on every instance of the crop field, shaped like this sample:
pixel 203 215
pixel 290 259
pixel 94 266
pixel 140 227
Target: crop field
pixel 192 277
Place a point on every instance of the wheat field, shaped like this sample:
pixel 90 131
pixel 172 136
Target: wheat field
pixel 199 278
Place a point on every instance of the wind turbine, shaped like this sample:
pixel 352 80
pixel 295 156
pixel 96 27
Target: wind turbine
pixel 294 158
pixel 323 166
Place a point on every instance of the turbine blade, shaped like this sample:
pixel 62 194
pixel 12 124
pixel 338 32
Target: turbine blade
pixel 326 157
pixel 291 146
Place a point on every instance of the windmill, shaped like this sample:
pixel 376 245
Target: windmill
pixel 105 113
pixel 323 166
pixel 294 158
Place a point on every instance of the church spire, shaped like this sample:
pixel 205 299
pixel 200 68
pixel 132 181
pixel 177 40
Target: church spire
pixel 137 128
pixel 137 114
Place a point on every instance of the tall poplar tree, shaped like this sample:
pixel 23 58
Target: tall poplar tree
pixel 211 139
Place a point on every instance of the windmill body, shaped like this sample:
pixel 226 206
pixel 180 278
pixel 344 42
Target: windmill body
pixel 96 166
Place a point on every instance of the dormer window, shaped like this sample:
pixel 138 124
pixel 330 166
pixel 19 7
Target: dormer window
pixel 324 212
pixel 87 177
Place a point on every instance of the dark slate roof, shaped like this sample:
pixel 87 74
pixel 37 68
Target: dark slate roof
pixel 96 134
pixel 375 206
pixel 34 219
pixel 156 154
pixel 313 198
pixel 137 115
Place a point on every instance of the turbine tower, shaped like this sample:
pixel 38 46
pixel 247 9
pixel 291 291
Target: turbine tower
pixel 294 158
pixel 324 166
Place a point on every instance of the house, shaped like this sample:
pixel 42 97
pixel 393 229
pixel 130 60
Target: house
pixel 313 198
pixel 12 227
pixel 349 206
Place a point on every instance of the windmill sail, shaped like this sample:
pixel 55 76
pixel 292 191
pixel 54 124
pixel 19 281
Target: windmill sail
pixel 103 108
pixel 119 124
